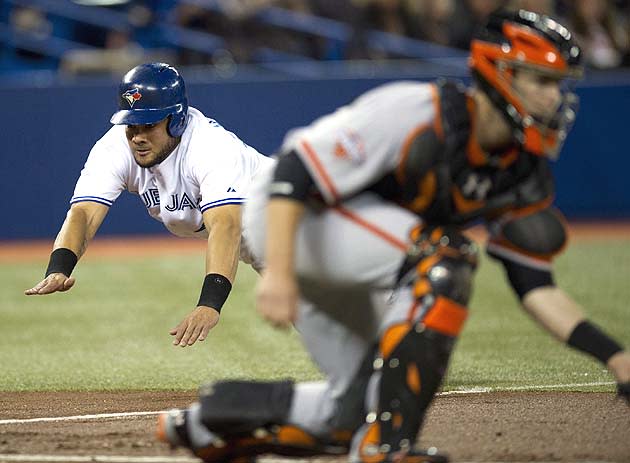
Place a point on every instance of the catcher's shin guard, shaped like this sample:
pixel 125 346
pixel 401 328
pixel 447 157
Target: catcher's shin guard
pixel 247 419
pixel 413 355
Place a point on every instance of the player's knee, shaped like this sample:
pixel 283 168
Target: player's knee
pixel 444 264
pixel 234 407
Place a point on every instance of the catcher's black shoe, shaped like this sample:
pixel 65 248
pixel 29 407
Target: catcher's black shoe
pixel 172 430
pixel 243 448
pixel 430 455
pixel 623 391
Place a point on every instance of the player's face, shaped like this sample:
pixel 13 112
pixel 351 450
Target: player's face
pixel 150 143
pixel 540 93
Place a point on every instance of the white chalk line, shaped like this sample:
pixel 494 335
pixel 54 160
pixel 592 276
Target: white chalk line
pixel 125 459
pixel 99 416
pixel 482 390
pixel 474 390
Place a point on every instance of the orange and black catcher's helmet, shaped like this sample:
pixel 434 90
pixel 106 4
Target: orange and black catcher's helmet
pixel 510 41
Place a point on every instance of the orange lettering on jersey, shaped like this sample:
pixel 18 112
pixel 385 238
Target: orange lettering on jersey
pixel 340 151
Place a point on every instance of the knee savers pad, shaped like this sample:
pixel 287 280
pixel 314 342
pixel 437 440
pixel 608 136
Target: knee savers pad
pixel 441 262
pixel 251 417
pixel 238 407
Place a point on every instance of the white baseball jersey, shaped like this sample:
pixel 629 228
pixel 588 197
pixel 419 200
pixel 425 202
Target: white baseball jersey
pixel 210 167
pixel 354 146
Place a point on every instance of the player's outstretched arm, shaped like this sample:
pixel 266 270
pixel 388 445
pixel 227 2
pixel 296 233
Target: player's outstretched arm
pixel 82 222
pixel 560 315
pixel 224 240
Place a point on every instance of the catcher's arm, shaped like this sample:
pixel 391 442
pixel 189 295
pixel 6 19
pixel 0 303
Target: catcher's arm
pixel 79 227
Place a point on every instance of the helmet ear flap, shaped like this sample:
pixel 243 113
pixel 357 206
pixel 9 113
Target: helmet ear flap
pixel 176 125
pixel 177 120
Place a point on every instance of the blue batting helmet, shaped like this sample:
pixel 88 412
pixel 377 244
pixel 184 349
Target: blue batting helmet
pixel 150 93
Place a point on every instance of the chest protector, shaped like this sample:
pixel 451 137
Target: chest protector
pixel 464 192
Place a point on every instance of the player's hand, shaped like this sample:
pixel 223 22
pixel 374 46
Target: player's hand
pixel 277 298
pixel 619 365
pixel 195 326
pixel 55 282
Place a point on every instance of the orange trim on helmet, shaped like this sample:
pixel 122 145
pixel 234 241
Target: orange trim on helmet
pixel 530 47
pixel 446 317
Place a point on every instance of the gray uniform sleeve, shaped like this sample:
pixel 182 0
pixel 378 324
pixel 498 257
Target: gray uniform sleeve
pixel 350 149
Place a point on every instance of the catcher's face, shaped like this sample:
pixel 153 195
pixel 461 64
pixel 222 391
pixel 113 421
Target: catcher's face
pixel 546 102
pixel 539 93
pixel 150 144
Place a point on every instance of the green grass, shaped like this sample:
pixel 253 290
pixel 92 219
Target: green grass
pixel 111 331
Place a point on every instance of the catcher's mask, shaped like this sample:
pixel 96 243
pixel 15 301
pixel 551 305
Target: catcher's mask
pixel 511 41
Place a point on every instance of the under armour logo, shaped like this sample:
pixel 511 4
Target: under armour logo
pixel 476 187
pixel 231 190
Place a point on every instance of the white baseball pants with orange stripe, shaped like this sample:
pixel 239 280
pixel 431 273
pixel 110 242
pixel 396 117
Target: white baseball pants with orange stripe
pixel 347 261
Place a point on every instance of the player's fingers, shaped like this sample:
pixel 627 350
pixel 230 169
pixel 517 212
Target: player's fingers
pixel 51 285
pixel 67 284
pixel 35 289
pixel 194 336
pixel 179 332
pixel 186 336
pixel 204 332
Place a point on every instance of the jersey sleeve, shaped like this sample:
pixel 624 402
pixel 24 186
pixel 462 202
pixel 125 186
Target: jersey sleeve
pixel 530 237
pixel 354 147
pixel 104 175
pixel 223 171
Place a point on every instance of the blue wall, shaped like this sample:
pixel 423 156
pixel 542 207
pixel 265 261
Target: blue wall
pixel 46 134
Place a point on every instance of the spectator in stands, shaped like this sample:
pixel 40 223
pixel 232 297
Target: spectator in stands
pixel 467 16
pixel 32 22
pixel 601 31
pixel 547 7
pixel 118 55
pixel 432 17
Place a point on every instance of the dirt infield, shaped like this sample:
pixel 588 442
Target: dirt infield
pixel 514 427
pixel 480 427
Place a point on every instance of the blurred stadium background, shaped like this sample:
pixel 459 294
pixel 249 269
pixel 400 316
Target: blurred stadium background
pixel 261 67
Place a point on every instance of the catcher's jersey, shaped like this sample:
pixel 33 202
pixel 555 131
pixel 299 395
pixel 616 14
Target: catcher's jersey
pixel 210 167
pixel 413 144
pixel 350 149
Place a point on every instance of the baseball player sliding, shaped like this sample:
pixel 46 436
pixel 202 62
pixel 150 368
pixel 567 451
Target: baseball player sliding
pixel 361 221
pixel 191 173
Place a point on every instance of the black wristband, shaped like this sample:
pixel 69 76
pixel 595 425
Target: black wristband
pixel 590 339
pixel 62 260
pixel 215 291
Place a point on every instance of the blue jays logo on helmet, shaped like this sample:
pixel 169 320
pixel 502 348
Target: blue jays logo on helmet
pixel 132 96
pixel 150 93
